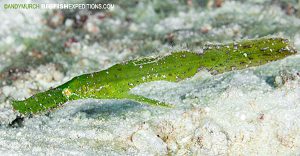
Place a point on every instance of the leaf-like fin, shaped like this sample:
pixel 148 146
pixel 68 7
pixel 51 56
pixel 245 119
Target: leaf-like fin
pixel 152 102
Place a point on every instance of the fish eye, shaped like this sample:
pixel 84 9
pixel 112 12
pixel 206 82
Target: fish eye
pixel 67 92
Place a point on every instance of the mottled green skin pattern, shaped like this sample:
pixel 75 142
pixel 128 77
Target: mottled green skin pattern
pixel 116 81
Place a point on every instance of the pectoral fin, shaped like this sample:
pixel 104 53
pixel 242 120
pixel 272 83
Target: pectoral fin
pixel 142 99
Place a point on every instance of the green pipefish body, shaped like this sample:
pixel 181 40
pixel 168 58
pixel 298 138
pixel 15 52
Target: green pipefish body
pixel 117 81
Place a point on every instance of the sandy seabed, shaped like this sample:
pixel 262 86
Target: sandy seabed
pixel 255 111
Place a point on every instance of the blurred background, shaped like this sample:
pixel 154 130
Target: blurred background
pixel 42 48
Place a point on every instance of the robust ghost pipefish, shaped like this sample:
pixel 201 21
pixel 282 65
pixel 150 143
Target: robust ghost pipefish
pixel 117 81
